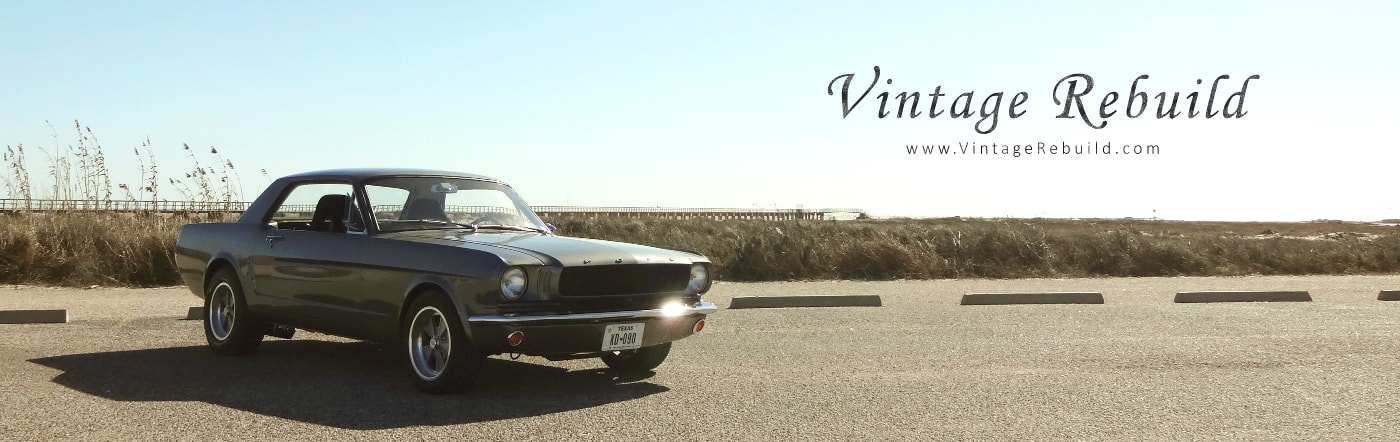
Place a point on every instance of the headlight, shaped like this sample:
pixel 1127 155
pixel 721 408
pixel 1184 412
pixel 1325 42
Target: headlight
pixel 513 283
pixel 699 279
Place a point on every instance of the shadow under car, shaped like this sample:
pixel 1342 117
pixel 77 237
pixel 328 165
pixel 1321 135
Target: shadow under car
pixel 350 385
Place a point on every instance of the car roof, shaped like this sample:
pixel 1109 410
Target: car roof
pixel 359 174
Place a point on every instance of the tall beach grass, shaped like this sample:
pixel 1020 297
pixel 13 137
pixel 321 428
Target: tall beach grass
pixel 83 243
pixel 78 249
pixel 1010 248
pixel 101 247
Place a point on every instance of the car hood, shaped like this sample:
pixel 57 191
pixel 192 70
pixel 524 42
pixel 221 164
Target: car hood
pixel 554 249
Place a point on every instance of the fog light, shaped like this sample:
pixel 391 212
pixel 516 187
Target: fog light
pixel 673 309
pixel 515 338
pixel 699 325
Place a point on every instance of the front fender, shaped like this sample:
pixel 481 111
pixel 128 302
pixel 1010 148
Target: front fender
pixel 428 282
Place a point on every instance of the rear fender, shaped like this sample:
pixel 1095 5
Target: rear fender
pixel 222 259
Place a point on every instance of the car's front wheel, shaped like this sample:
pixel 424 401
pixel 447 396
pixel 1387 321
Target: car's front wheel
pixel 642 359
pixel 228 327
pixel 440 358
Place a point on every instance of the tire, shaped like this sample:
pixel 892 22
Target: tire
pixel 642 359
pixel 435 346
pixel 228 326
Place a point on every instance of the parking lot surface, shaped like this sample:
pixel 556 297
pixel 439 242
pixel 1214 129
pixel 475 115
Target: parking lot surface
pixel 920 367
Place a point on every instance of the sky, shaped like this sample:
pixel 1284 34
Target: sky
pixel 726 104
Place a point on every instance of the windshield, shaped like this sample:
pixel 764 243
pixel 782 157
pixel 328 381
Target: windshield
pixel 419 203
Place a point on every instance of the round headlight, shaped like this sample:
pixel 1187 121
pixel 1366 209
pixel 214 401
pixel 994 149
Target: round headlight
pixel 513 283
pixel 699 279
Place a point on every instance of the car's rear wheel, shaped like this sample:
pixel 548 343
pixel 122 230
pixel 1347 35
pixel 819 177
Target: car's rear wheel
pixel 440 358
pixel 642 359
pixel 228 326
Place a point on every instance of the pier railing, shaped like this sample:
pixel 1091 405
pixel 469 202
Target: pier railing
pixel 236 207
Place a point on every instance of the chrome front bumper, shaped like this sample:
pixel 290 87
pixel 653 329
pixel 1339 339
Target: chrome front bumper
pixel 701 308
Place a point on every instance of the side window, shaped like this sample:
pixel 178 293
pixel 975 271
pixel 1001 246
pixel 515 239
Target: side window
pixel 314 206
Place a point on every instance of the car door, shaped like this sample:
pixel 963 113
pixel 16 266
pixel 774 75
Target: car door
pixel 307 272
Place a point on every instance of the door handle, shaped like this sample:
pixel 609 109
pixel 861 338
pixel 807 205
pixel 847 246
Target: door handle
pixel 272 239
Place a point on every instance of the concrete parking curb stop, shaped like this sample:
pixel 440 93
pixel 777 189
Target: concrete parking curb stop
pixel 1389 295
pixel 1244 296
pixel 195 313
pixel 805 301
pixel 34 316
pixel 1033 298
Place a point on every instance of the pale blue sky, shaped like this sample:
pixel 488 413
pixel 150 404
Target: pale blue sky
pixel 724 104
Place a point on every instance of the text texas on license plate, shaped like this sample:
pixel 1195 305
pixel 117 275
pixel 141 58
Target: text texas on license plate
pixel 622 336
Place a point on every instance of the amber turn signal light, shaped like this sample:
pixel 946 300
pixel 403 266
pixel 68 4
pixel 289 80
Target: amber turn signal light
pixel 515 338
pixel 699 325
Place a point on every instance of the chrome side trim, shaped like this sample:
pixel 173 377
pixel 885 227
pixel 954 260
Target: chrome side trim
pixel 701 308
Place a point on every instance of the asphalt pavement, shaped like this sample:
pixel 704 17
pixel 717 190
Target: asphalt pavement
pixel 920 367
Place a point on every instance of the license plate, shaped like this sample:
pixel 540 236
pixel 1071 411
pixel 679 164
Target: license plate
pixel 622 336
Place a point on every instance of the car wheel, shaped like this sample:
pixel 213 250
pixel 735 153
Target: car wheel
pixel 228 327
pixel 440 358
pixel 642 359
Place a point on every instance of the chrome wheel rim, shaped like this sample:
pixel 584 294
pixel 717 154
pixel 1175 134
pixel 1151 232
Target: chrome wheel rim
pixel 221 311
pixel 429 343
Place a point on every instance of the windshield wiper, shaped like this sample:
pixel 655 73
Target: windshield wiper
pixel 474 227
pixel 434 221
pixel 513 228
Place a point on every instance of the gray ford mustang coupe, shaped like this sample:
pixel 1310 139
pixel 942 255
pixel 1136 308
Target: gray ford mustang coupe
pixel 448 268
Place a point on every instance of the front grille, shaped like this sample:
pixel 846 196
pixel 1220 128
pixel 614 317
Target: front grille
pixel 634 279
pixel 594 305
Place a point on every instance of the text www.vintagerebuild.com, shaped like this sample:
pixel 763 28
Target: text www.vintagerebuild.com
pixel 1034 149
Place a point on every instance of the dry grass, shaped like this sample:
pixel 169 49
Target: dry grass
pixel 104 248
pixel 86 249
pixel 109 248
pixel 81 249
pixel 1009 248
